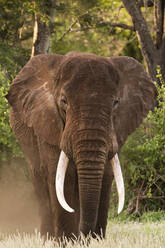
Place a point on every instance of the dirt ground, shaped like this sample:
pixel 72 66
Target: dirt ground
pixel 18 204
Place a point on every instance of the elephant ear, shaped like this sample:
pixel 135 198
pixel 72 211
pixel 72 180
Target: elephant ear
pixel 30 96
pixel 137 95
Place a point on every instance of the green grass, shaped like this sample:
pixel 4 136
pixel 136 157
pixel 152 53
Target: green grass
pixel 119 235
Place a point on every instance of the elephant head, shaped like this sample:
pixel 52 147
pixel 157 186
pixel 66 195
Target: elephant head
pixel 87 106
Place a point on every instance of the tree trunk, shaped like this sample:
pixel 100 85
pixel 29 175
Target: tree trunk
pixel 146 42
pixel 43 27
pixel 162 45
pixel 153 53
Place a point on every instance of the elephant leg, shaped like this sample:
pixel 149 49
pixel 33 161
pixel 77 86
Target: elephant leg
pixel 71 220
pixel 64 223
pixel 41 189
pixel 38 177
pixel 29 145
pixel 104 201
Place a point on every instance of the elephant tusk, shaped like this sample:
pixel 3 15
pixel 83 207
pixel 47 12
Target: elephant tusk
pixel 119 181
pixel 59 182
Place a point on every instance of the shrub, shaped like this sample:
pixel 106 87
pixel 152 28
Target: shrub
pixel 8 144
pixel 143 159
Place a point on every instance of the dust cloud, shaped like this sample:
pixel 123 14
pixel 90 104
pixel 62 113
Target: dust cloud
pixel 18 204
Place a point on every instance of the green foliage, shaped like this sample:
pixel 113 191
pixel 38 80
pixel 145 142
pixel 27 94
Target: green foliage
pixel 8 143
pixel 132 48
pixel 14 53
pixel 90 33
pixel 12 58
pixel 12 18
pixel 158 216
pixel 87 28
pixel 146 217
pixel 143 158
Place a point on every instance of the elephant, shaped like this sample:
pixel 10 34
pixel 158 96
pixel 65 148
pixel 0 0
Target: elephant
pixel 71 115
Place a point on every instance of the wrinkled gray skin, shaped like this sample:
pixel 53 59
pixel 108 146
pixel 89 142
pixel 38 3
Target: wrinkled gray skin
pixel 86 106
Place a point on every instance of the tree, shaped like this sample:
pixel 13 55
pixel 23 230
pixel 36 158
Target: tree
pixel 91 26
pixel 43 25
pixel 107 17
pixel 152 46
pixel 17 19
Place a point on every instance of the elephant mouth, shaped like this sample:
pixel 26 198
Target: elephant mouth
pixel 60 178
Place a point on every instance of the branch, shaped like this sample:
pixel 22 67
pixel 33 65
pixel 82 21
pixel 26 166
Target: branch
pixel 71 26
pixel 138 196
pixel 68 30
pixel 161 177
pixel 119 25
pixel 151 197
pixel 101 24
pixel 81 29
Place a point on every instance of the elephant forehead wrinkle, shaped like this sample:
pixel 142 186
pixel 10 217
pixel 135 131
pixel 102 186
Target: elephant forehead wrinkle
pixel 91 165
pixel 96 123
pixel 82 147
pixel 90 132
pixel 93 178
pixel 85 74
pixel 88 135
pixel 96 156
pixel 95 143
pixel 93 110
pixel 94 94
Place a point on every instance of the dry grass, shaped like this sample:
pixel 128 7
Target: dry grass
pixel 128 235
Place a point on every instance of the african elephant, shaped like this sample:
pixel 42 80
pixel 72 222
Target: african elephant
pixel 79 107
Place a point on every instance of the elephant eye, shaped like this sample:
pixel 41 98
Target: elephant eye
pixel 115 102
pixel 63 100
pixel 63 105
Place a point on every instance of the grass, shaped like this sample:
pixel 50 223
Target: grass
pixel 119 235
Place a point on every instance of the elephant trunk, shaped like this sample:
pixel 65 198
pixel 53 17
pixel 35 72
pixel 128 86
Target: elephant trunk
pixel 90 182
pixel 90 158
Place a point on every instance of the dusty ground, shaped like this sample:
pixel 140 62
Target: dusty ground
pixel 18 205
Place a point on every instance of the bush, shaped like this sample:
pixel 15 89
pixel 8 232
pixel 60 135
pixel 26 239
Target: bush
pixel 8 144
pixel 146 217
pixel 143 159
pixel 12 58
pixel 158 216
